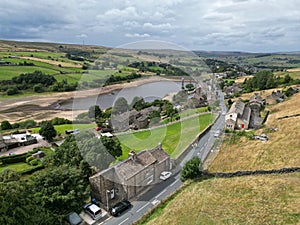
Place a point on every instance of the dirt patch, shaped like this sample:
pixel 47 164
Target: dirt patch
pixel 293 70
pixel 52 62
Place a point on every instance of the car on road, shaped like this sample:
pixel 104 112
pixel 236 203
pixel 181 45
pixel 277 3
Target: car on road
pixel 165 175
pixel 217 133
pixel 120 207
pixel 93 211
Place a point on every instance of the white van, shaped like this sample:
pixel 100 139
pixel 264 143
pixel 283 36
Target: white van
pixel 93 211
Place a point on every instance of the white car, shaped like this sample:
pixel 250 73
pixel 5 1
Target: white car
pixel 217 134
pixel 165 175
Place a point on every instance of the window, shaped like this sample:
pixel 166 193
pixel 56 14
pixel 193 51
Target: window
pixel 149 180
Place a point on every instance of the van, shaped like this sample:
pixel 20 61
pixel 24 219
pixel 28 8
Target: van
pixel 93 211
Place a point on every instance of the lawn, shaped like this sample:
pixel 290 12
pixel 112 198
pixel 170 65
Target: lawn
pixel 21 166
pixel 174 137
pixel 269 199
pixel 16 167
pixel 62 128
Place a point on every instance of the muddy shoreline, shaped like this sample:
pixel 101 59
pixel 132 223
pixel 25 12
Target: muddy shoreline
pixel 47 106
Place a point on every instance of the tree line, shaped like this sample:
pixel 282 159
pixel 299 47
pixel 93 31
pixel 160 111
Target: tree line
pixel 36 81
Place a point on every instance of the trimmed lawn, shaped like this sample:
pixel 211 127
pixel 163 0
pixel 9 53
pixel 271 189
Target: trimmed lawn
pixel 174 137
pixel 16 167
pixel 62 128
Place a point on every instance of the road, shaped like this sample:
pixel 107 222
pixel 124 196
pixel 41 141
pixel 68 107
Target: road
pixel 163 189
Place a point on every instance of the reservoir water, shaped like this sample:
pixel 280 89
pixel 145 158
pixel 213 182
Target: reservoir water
pixel 149 91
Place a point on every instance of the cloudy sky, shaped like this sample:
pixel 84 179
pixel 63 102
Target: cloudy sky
pixel 213 25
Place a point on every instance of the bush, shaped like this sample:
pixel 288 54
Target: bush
pixel 13 159
pixel 35 162
pixel 29 159
pixel 191 169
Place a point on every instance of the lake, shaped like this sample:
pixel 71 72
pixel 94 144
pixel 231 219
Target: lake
pixel 149 91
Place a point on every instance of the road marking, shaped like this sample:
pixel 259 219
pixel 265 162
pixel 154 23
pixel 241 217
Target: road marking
pixel 160 193
pixel 173 183
pixel 155 202
pixel 124 221
pixel 143 207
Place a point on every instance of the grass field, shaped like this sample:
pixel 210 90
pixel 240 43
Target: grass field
pixel 174 137
pixel 270 199
pixel 282 149
pixel 62 128
pixel 8 72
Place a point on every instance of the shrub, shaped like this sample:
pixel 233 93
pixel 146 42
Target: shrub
pixel 191 169
pixel 29 159
pixel 34 162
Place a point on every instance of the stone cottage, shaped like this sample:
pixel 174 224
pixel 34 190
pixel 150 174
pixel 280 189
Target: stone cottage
pixel 130 177
pixel 238 116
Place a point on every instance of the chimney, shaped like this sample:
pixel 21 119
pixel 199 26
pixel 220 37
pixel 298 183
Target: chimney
pixel 159 146
pixel 132 155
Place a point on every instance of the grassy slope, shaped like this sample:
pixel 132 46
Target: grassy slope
pixel 271 199
pixel 282 150
pixel 174 137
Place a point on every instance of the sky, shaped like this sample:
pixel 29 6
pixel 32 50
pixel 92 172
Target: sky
pixel 210 25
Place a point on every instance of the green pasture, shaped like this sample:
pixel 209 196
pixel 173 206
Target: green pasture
pixel 8 72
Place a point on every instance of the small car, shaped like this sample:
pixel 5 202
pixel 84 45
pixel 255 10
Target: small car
pixel 165 175
pixel 73 218
pixel 120 207
pixel 217 134
pixel 93 211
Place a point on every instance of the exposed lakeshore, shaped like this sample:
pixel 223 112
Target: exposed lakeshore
pixel 42 106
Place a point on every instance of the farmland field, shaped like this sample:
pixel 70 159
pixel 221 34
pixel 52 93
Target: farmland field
pixel 8 72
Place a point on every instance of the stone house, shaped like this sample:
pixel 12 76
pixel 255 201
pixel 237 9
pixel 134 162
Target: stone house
pixel 129 178
pixel 238 116
pixel 256 103
pixel 230 91
pixel 198 99
pixel 275 97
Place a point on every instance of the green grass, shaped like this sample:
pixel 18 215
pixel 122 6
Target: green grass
pixel 190 112
pixel 62 128
pixel 174 137
pixel 21 166
pixel 16 167
pixel 8 72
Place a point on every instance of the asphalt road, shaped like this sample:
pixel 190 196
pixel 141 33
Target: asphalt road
pixel 163 189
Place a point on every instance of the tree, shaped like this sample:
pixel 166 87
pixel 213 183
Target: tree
pixel 191 169
pixel 60 189
pixel 93 150
pixel 18 206
pixel 113 146
pixel 5 125
pixel 47 130
pixel 137 103
pixel 94 112
pixel 120 106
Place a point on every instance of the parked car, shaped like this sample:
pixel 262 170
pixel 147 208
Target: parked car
pixel 165 175
pixel 120 207
pixel 93 211
pixel 73 218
